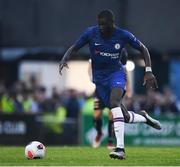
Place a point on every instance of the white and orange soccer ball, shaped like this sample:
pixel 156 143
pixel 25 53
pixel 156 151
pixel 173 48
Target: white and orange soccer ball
pixel 35 150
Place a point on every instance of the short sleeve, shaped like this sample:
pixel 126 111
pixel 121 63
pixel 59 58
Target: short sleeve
pixel 133 41
pixel 83 39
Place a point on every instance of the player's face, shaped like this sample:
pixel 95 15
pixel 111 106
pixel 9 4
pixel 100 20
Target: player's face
pixel 105 26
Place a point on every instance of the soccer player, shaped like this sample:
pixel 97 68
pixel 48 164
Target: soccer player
pixel 99 107
pixel 129 116
pixel 106 41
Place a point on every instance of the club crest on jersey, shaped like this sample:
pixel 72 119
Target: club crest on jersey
pixel 117 46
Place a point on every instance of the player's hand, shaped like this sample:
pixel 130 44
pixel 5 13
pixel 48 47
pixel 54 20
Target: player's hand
pixel 62 64
pixel 150 81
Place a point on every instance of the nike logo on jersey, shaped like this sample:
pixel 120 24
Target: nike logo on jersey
pixel 96 44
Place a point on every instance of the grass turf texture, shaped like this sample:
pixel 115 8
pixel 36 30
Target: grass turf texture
pixel 87 156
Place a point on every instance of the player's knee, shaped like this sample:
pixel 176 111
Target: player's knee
pixel 116 97
pixel 115 102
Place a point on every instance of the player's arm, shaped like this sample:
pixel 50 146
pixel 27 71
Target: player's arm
pixel 84 39
pixel 63 62
pixel 149 79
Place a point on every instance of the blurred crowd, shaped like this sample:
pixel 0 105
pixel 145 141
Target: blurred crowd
pixel 154 102
pixel 31 98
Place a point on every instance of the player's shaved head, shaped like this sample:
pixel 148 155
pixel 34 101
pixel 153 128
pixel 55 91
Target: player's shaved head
pixel 106 22
pixel 107 14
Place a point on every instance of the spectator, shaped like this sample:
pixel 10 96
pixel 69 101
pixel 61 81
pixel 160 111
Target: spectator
pixel 73 106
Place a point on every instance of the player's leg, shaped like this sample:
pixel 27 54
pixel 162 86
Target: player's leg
pixel 111 92
pixel 110 130
pixel 97 116
pixel 97 120
pixel 142 116
pixel 118 119
pixel 130 117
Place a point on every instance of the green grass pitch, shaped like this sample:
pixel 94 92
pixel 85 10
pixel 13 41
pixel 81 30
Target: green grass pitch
pixel 87 156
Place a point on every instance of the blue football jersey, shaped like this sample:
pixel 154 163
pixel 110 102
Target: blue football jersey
pixel 106 52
